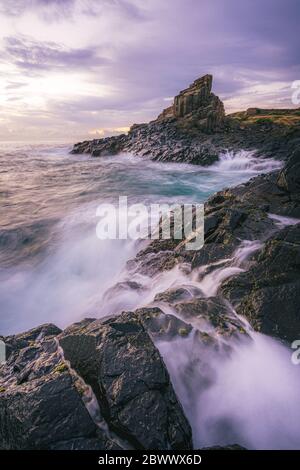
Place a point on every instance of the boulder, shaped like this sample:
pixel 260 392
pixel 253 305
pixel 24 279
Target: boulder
pixel 268 293
pixel 42 401
pixel 289 177
pixel 118 359
pixel 99 384
pixel 22 340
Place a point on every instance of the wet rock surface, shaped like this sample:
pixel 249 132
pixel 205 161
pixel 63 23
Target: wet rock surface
pixel 44 389
pixel 268 293
pixel 41 399
pixel 124 368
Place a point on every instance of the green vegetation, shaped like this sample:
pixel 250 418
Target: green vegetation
pixel 183 331
pixel 283 117
pixel 61 367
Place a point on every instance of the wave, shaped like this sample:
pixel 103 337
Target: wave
pixel 245 161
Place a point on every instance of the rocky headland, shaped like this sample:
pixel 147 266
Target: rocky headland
pixel 102 383
pixel 195 129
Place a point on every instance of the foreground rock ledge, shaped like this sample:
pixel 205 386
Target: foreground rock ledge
pixel 44 390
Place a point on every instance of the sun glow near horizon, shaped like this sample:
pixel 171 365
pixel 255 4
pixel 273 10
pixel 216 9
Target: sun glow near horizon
pixel 78 68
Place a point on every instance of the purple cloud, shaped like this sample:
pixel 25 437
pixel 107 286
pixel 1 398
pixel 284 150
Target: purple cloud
pixel 55 10
pixel 18 7
pixel 145 52
pixel 29 54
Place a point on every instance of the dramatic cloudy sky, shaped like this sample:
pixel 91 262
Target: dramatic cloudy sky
pixel 72 69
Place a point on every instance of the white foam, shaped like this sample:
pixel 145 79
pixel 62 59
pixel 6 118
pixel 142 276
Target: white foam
pixel 249 397
pixel 283 221
pixel 245 161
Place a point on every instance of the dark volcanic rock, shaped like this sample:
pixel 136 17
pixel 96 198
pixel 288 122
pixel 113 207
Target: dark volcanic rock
pixel 213 312
pixel 173 295
pixel 162 326
pixel 22 340
pixel 41 399
pixel 125 370
pixel 46 401
pixel 268 293
pixel 289 177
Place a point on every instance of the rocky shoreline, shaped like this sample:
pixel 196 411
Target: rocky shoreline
pixel 103 383
pixel 201 131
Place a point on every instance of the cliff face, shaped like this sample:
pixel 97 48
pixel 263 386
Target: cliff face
pixel 198 106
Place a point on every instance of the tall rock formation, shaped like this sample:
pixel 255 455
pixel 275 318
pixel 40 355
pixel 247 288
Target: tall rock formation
pixel 194 129
pixel 197 106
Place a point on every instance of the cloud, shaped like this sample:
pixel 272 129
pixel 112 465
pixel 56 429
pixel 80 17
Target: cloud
pixel 126 8
pixel 50 7
pixel 114 62
pixel 27 53
pixel 14 85
pixel 55 10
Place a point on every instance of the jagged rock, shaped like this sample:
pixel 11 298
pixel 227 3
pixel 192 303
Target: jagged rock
pixel 173 295
pixel 42 400
pixel 210 313
pixel 120 287
pixel 162 326
pixel 118 359
pixel 289 177
pixel 101 147
pixel 22 340
pixel 193 97
pixel 268 293
pixel 198 106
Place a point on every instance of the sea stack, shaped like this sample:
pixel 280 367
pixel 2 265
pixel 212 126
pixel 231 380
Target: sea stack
pixel 197 106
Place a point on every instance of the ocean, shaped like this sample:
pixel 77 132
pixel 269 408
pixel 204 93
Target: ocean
pixel 53 268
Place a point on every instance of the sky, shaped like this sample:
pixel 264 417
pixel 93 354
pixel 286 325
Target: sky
pixel 76 69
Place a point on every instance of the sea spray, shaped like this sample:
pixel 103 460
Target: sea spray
pixel 248 396
pixel 241 389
